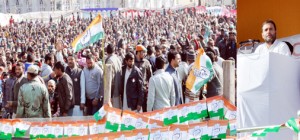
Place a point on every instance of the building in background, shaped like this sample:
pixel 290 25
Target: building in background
pixel 25 6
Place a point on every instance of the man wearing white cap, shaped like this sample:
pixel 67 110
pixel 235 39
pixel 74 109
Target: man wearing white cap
pixel 33 101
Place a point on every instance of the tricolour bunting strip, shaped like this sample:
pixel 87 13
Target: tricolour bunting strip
pixel 20 128
pixel 199 131
pixel 178 132
pixel 97 127
pixel 132 120
pixel 192 111
pixel 215 106
pixel 154 124
pixel 159 134
pixel 170 116
pixel 6 129
pixel 100 114
pixel 156 114
pixel 109 119
pixel 292 123
pixel 113 119
pixel 232 127
pixel 229 110
pixel 217 128
pixel 263 132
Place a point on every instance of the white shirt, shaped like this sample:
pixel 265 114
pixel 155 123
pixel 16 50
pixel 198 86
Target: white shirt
pixel 161 93
pixel 182 70
pixel 127 73
pixel 276 47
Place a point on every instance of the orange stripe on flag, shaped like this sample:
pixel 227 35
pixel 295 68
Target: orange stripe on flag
pixel 191 77
pixel 94 22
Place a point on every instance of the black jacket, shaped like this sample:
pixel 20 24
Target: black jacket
pixel 75 75
pixel 134 87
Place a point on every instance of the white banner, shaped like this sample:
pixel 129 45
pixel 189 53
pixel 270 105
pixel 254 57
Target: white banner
pixel 268 91
pixel 215 10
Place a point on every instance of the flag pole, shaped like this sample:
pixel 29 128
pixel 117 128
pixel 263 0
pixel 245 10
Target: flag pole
pixel 105 100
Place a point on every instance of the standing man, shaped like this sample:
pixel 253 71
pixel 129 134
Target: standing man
pixel 132 85
pixel 116 75
pixel 53 98
pixel 93 85
pixel 215 85
pixel 151 57
pixel 222 45
pixel 145 67
pixel 21 80
pixel 8 92
pixel 174 60
pixel 47 72
pixel 158 51
pixel 30 61
pixel 161 88
pixel 271 43
pixel 59 55
pixel 33 99
pixel 64 89
pixel 231 46
pixel 78 80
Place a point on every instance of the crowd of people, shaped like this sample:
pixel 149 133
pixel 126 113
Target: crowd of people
pixel 151 56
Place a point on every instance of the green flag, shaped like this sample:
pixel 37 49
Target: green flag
pixel 293 124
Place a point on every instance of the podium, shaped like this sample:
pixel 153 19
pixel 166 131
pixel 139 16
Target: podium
pixel 268 92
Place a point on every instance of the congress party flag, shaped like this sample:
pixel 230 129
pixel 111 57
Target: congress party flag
pixel 293 124
pixel 170 116
pixel 113 119
pixel 93 33
pixel 6 129
pixel 100 114
pixel 217 128
pixel 198 131
pixel 201 72
pixel 20 128
pixel 264 132
pixel 215 106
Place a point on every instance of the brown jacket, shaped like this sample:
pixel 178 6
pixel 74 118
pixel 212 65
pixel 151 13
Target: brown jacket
pixel 64 89
pixel 18 83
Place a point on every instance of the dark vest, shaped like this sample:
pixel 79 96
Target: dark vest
pixel 75 76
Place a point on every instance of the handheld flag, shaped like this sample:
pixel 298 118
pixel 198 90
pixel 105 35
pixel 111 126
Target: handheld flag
pixel 93 33
pixel 201 72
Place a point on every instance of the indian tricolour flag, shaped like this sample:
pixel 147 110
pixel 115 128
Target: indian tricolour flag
pixel 20 128
pixel 132 120
pixel 100 114
pixel 170 116
pixel 198 131
pixel 113 119
pixel 93 33
pixel 215 107
pixel 217 128
pixel 201 72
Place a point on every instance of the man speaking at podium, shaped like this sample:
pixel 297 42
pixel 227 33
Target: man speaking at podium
pixel 271 43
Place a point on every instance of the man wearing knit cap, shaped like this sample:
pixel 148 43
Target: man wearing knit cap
pixel 145 67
